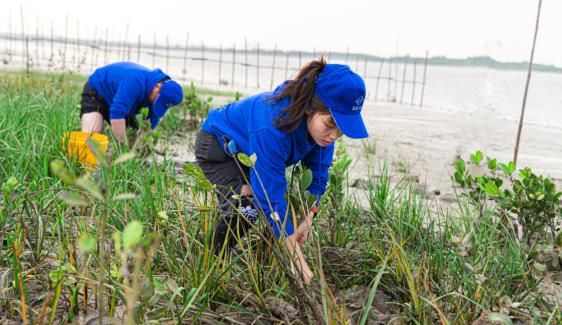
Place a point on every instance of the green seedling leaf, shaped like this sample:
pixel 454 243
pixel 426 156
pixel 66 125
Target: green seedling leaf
pixel 198 176
pixel 163 215
pixel 117 241
pixel 248 161
pixel 144 112
pixel 491 189
pixel 468 268
pixel 539 267
pixel 87 243
pixel 97 150
pixel 58 168
pixel 508 169
pixel 476 158
pixel 498 317
pixel 460 165
pixel 72 198
pixel 306 178
pixel 124 157
pixel 10 185
pixel 125 196
pixel 492 163
pixel 87 184
pixel 132 234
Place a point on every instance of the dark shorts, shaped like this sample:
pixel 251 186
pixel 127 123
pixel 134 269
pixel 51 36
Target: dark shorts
pixel 94 102
pixel 228 175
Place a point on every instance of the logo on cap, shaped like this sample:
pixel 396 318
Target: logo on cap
pixel 358 103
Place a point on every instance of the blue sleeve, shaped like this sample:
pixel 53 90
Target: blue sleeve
pixel 319 161
pixel 268 179
pixel 130 91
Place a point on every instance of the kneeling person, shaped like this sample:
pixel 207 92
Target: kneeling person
pixel 117 92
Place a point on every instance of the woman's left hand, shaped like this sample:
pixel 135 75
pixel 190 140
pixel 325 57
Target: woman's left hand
pixel 304 228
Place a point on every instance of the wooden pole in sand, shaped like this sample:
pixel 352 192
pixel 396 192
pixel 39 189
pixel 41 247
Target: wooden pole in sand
pixel 154 52
pixel 105 48
pixel 167 53
pixel 378 80
pixel 138 48
pixel 184 72
pixel 245 62
pixel 27 65
pixel 519 129
pixel 424 75
pixel 94 46
pixel 287 66
pixel 403 80
pixel 258 67
pixel 413 84
pixel 202 62
pixel 220 64
pixel 389 78
pixel 233 64
pixel 273 66
pixel 37 41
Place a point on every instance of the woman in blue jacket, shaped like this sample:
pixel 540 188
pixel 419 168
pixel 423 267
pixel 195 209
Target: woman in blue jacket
pixel 298 121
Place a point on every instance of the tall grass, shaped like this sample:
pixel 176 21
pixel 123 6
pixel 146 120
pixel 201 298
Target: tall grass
pixel 432 266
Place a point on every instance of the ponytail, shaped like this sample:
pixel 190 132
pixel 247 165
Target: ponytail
pixel 301 93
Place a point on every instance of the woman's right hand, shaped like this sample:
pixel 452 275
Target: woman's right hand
pixel 298 259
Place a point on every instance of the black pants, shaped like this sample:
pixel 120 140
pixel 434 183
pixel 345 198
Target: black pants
pixel 94 102
pixel 229 176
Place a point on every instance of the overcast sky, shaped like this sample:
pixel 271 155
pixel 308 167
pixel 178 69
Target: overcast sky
pixel 502 29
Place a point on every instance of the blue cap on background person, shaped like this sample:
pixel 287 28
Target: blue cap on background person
pixel 343 92
pixel 171 94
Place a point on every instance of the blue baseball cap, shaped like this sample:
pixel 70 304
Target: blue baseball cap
pixel 171 94
pixel 343 92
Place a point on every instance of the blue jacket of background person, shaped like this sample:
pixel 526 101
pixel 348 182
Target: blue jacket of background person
pixel 249 122
pixel 125 87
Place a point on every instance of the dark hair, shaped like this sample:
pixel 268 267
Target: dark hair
pixel 301 93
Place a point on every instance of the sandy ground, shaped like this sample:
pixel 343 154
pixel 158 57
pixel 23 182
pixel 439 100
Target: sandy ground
pixel 423 143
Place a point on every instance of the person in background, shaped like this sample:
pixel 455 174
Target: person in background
pixel 118 91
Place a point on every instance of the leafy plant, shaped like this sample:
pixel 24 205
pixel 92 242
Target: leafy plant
pixel 532 199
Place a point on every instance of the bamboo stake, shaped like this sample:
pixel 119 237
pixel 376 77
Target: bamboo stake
pixel 245 62
pixel 413 84
pixel 258 67
pixel 424 78
pixel 154 52
pixel 378 80
pixel 233 64
pixel 167 52
pixel 220 64
pixel 184 71
pixel 94 46
pixel 389 78
pixel 37 41
pixel 138 48
pixel 287 65
pixel 65 42
pixel 202 62
pixel 273 66
pixel 106 47
pixel 530 69
pixel 403 80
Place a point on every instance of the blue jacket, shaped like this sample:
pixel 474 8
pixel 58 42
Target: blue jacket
pixel 249 122
pixel 125 87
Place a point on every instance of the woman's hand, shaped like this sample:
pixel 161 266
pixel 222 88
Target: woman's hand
pixel 299 259
pixel 304 228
